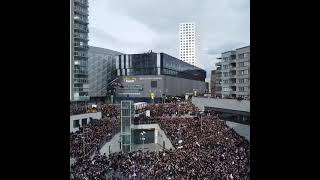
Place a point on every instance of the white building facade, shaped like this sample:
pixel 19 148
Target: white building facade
pixel 188 43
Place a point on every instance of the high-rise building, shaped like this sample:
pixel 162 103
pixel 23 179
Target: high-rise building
pixel 233 73
pixel 102 70
pixel 188 43
pixel 79 86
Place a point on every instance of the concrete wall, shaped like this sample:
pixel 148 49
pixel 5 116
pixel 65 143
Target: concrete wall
pixel 159 135
pixel 231 104
pixel 241 129
pixel 159 138
pixel 79 117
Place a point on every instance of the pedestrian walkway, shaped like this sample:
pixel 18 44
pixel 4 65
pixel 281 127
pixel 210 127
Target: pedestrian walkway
pixel 114 145
pixel 241 129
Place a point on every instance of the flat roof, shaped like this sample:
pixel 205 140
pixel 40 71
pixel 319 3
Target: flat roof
pixel 230 104
pixel 243 47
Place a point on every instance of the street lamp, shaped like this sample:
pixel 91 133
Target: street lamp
pixel 143 138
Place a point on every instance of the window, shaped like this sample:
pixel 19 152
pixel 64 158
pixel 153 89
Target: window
pixel 241 64
pixel 246 80
pixel 153 84
pixel 246 55
pixel 241 56
pixel 226 89
pixel 225 74
pixel 240 81
pixel 243 72
pixel 84 121
pixel 76 123
pixel 241 89
pixel 246 63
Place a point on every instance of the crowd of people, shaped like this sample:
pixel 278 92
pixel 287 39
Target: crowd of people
pixel 107 110
pixel 169 109
pixel 90 137
pixel 204 148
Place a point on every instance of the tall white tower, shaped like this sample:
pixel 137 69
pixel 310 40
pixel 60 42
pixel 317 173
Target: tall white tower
pixel 188 43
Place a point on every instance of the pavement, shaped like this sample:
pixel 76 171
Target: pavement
pixel 241 129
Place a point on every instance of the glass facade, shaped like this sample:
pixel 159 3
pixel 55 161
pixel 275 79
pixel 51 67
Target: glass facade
pixel 127 111
pixel 79 44
pixel 152 64
pixel 137 64
pixel 174 67
pixel 101 65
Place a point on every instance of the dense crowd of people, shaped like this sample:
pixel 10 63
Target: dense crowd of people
pixel 169 109
pixel 88 138
pixel 204 148
pixel 107 110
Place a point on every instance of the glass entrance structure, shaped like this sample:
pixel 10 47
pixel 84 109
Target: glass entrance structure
pixel 127 112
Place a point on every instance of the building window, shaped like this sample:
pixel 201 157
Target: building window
pixel 241 81
pixel 241 89
pixel 84 122
pixel 225 74
pixel 241 56
pixel 76 123
pixel 246 72
pixel 153 84
pixel 246 55
pixel 246 63
pixel 241 64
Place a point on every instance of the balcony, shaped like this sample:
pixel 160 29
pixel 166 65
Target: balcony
pixel 232 60
pixel 232 76
pixel 233 84
pixel 81 47
pixel 83 12
pixel 218 64
pixel 81 38
pixel 76 28
pixel 83 3
pixel 81 21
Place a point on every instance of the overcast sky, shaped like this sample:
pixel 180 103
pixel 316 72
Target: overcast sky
pixel 137 26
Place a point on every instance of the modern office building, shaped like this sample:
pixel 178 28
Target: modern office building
pixel 79 86
pixel 102 70
pixel 188 43
pixel 234 70
pixel 158 75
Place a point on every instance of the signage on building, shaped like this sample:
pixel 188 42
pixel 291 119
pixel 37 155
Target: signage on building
pixel 130 79
pixel 150 78
pixel 133 87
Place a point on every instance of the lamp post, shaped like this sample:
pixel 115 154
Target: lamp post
pixel 143 138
